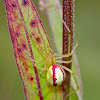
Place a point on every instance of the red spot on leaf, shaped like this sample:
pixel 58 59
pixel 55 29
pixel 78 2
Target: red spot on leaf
pixel 30 78
pixel 14 5
pixel 19 50
pixel 33 23
pixel 17 31
pixel 24 3
pixel 23 44
pixel 17 34
pixel 10 5
pixel 38 39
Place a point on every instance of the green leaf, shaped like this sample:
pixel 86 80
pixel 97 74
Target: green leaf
pixel 32 50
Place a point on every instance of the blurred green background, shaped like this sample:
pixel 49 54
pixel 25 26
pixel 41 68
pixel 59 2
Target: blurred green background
pixel 87 29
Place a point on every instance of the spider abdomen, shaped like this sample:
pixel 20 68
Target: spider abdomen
pixel 55 75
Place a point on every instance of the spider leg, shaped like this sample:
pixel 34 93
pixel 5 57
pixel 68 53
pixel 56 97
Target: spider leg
pixel 67 55
pixel 72 73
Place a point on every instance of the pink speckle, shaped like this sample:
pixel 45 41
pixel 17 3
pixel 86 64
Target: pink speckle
pixel 18 27
pixel 33 33
pixel 25 65
pixel 14 17
pixel 26 68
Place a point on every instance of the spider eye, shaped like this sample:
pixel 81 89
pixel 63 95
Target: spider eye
pixel 55 75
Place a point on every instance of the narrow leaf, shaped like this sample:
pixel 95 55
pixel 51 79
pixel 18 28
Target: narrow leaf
pixel 32 50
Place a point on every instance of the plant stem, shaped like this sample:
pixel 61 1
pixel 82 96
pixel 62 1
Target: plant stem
pixel 68 10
